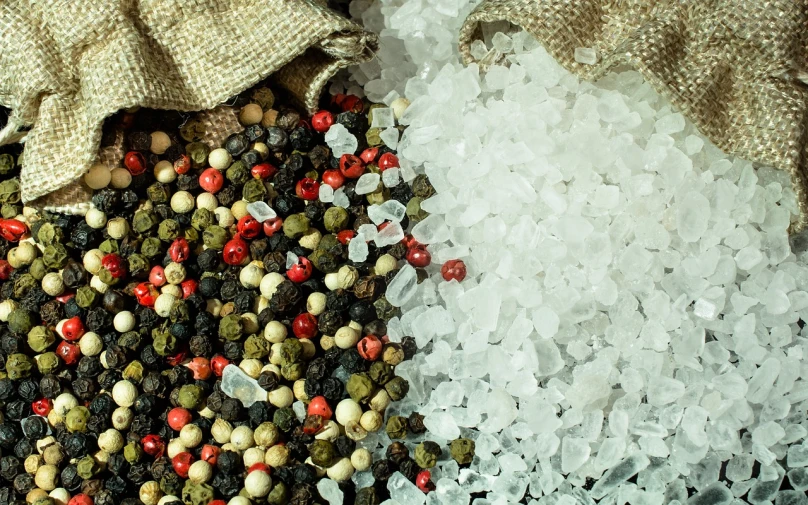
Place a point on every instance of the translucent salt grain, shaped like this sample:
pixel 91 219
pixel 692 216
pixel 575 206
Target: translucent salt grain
pixel 430 230
pixel 391 210
pixel 340 140
pixel 502 42
pixel 329 490
pixel 391 177
pixel 326 193
pixel 403 491
pixel 390 235
pixel 574 453
pixel 367 183
pixel 291 259
pixel 237 384
pixel 340 199
pixel 390 137
pixel 383 117
pixel 670 124
pixel 586 55
pixel 358 249
pixel 402 287
pixel 261 211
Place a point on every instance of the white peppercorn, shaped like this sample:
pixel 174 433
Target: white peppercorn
pixel 311 239
pixel 169 498
pixel 315 303
pixel 385 264
pixel 6 308
pixel 269 283
pixel 252 456
pixel 124 321
pixel 64 402
pixel 60 496
pixel 327 342
pixel 163 304
pixel 124 393
pixel 164 172
pixel 224 217
pixel 214 306
pixel 120 178
pixel 331 281
pixel 182 202
pixel 150 493
pixel 258 484
pixel 277 456
pixel 251 275
pixel 328 432
pixel 174 447
pixel 172 289
pixel 249 321
pixel 221 431
pixel 242 438
pixel 110 441
pixel 251 367
pixel 399 106
pixel 97 284
pixel 347 276
pixel 371 421
pixel 266 434
pixel 191 435
pixel 308 348
pixel 250 114
pixel 361 459
pixel 340 471
pixel 52 284
pixel 206 201
pixel 239 209
pixel 47 477
pixel 347 410
pixel 346 337
pixel 22 255
pixel 281 397
pixel 200 472
pixel 160 142
pixel 32 463
pixel 118 228
pixel 261 149
pixel 299 390
pixel 98 176
pixel 238 500
pixel 380 400
pixel 220 159
pixel 275 332
pixel 122 418
pixel 95 219
pixel 92 261
pixel 174 273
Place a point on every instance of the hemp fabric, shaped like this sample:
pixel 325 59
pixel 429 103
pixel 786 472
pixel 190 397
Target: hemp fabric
pixel 66 65
pixel 737 68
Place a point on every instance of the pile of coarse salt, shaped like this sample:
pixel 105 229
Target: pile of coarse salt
pixel 632 309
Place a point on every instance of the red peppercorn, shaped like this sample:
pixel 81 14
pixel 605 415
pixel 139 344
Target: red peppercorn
pixel 73 329
pixel 305 325
pixel 422 480
pixel 333 178
pixel 115 265
pixel 5 270
pixel 370 348
pixel 42 406
pixel 211 180
pixel 217 502
pixel 179 250
pixel 188 287
pixel 153 445
pixel 183 164
pixel 351 166
pixel 272 226
pixel 352 103
pixel 12 230
pixel 388 160
pixel 145 294
pixel 80 499
pixel 64 298
pixel 200 367
pixel 263 171
pixel 322 120
pixel 248 227
pixel 217 364
pixel 410 242
pixel 345 236
pixel 418 256
pixel 69 353
pixel 182 463
pixel 319 407
pixel 300 271
pixel 259 467
pixel 369 154
pixel 307 189
pixel 178 417
pixel 157 275
pixel 453 269
pixel 236 251
pixel 338 99
pixel 176 359
pixel 135 162
pixel 210 453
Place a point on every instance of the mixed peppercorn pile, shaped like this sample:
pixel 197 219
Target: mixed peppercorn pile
pixel 116 327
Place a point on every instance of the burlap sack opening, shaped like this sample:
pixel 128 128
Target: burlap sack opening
pixel 63 74
pixel 736 68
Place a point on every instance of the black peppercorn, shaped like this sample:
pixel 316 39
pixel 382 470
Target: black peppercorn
pixel 70 478
pixel 23 483
pixel 229 462
pixel 367 496
pixel 10 467
pixel 383 469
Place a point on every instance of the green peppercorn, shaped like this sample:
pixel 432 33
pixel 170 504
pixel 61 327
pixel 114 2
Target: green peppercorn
pixel 279 494
pixel 385 310
pixel 158 193
pixel 322 453
pixel 87 467
pixel 109 246
pixel 256 346
pixel 86 297
pixel 414 211
pixel 380 372
pixel 373 136
pixel 171 484
pixel 164 342
pixel 291 351
pixel 151 247
pixel 335 219
pixel 285 419
pixel 421 187
pixel 144 221
pixel 397 427
pixel 76 419
pixel 238 173
pixel 132 452
pixel 133 371
pixel 47 363
pixel 293 371
pixel 193 131
pixel 18 366
pixel 214 237
pixel 130 340
pixel 55 256
pixel 191 236
pixel 20 321
pixel 230 327
pixel 360 387
pixel 24 284
pixel 202 218
pixel 10 191
pixel 330 243
pixel 138 265
pixel 324 261
pixel 197 494
pixel 40 338
pixel 462 450
pixel 9 211
pixel 379 196
pixel 190 396
pixel 254 190
pixel 296 225
pixel 48 234
pixel 7 164
pixel 397 388
pixel 168 230
pixel 367 496
pixel 427 454
pixel 106 277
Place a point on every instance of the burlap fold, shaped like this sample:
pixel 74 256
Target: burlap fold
pixel 66 65
pixel 736 68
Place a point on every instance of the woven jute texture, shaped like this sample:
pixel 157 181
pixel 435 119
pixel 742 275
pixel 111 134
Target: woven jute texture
pixel 66 65
pixel 737 68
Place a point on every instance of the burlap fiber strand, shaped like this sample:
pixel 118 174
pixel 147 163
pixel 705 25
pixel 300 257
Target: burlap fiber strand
pixel 67 65
pixel 736 68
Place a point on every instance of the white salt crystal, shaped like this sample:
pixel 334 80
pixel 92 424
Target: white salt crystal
pixel 670 124
pixel 367 183
pixel 340 199
pixel 442 425
pixel 358 249
pixel 391 210
pixel 391 177
pixel 402 287
pixel 390 235
pixel 692 217
pixel 430 230
pixel 340 140
pixel 390 137
pixel 326 193
pixel 291 259
pixel 383 117
pixel 546 321
pixel 403 491
pixel 574 453
pixel 239 385
pixel 368 231
pixel 329 490
pixel 502 43
pixel 586 55
pixel 261 211
pixel 664 390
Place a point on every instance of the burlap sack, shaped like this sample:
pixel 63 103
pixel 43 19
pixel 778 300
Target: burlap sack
pixel 66 65
pixel 736 68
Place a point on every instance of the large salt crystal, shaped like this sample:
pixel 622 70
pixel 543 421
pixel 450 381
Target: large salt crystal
pixel 430 230
pixel 237 384
pixel 403 491
pixel 391 210
pixel 340 140
pixel 574 453
pixel 329 490
pixel 402 287
pixel 368 183
pixel 586 55
pixel 693 216
pixel 664 390
pixel 261 211
pixel 358 249
pixel 382 118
